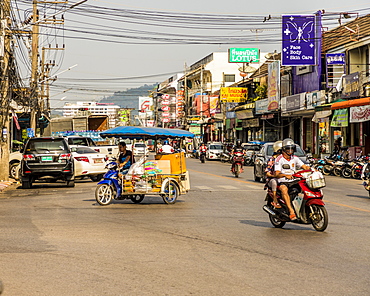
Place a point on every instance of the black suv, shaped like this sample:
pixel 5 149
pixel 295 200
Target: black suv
pixel 47 159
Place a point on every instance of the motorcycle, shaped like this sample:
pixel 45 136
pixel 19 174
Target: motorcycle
pixel 225 156
pixel 306 200
pixel 237 164
pixel 365 176
pixel 202 157
pixel 112 183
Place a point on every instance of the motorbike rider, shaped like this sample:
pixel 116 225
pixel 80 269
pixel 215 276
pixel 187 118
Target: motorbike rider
pixel 125 157
pixel 166 148
pixel 286 165
pixel 270 172
pixel 238 148
pixel 202 149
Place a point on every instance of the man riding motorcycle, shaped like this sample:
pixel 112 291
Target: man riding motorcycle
pixel 202 150
pixel 236 151
pixel 286 165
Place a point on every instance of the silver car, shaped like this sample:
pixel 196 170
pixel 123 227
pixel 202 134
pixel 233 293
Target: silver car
pixel 214 151
pixel 265 154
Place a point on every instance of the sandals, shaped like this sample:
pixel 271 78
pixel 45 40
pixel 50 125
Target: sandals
pixel 276 205
pixel 292 217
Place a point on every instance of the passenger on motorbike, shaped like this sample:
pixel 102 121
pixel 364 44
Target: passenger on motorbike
pixel 270 173
pixel 237 149
pixel 286 165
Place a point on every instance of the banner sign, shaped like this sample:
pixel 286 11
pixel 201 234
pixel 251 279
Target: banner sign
pixel 351 86
pixel 293 102
pixel 359 114
pixel 244 55
pixel 299 33
pixel 233 94
pixel 273 86
pixel 335 59
pixel 261 106
pixel 340 118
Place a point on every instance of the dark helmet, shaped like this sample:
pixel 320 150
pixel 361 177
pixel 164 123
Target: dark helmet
pixel 288 144
pixel 238 143
pixel 165 142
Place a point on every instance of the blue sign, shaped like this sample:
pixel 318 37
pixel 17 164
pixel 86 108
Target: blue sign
pixel 30 132
pixel 299 32
pixel 335 59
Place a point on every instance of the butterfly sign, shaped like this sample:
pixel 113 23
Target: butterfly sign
pixel 299 44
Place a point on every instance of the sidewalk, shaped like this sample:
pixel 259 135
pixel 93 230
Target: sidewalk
pixel 5 184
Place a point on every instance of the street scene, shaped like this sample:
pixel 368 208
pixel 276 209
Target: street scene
pixel 184 149
pixel 216 240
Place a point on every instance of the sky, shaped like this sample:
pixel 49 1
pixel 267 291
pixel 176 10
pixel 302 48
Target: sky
pixel 156 39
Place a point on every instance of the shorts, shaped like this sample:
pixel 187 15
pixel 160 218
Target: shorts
pixel 289 184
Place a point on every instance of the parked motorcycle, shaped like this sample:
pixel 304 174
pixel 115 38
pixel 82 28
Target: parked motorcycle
pixel 365 176
pixel 237 165
pixel 306 200
pixel 225 156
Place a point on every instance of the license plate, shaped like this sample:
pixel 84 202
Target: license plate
pixel 46 158
pixel 98 160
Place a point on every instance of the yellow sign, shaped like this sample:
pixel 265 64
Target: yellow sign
pixel 233 94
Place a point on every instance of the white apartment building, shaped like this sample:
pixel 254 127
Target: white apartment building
pixel 92 108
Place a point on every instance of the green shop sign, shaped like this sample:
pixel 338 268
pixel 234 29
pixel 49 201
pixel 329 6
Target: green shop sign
pixel 244 55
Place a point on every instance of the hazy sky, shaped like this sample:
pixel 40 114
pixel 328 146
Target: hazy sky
pixel 99 59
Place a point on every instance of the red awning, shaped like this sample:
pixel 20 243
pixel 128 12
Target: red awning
pixel 351 103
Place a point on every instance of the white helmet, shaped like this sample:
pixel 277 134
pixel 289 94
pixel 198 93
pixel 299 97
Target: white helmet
pixel 288 144
pixel 277 146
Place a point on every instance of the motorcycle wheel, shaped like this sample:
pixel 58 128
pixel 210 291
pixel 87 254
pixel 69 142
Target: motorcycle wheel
pixel 346 173
pixel 319 217
pixel 104 194
pixel 355 175
pixel 256 179
pixel 326 170
pixel 237 170
pixel 337 172
pixel 171 193
pixel 276 222
pixel 96 178
pixel 138 198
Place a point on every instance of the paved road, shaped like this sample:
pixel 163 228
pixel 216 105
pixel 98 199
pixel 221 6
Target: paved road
pixel 216 240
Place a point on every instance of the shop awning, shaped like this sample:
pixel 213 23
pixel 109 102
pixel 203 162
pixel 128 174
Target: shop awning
pixel 351 103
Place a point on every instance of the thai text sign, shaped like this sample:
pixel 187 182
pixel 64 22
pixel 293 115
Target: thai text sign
pixel 298 40
pixel 359 114
pixel 233 94
pixel 351 86
pixel 244 55
pixel 273 85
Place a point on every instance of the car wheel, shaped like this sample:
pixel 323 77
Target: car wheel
pixel 13 170
pixel 256 179
pixel 96 178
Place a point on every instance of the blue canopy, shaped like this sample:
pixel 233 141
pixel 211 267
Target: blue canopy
pixel 138 132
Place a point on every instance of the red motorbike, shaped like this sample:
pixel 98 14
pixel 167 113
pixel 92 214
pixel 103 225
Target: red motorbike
pixel 306 197
pixel 237 164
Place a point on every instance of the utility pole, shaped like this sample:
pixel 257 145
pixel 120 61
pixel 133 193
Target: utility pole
pixel 5 39
pixel 34 98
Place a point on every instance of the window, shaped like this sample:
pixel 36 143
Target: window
pixel 229 77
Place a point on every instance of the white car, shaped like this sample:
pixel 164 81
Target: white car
pixel 214 150
pixel 140 149
pixel 89 163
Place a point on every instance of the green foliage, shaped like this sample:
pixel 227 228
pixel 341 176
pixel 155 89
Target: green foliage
pixel 261 92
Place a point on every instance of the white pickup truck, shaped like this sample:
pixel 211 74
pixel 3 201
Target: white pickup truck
pixel 108 150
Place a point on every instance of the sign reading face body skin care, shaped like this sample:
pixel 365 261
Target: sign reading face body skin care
pixel 298 40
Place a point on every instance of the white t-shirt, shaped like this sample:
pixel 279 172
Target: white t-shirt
pixel 167 149
pixel 294 163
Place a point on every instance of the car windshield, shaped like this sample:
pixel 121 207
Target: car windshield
pixel 78 141
pixel 140 145
pixel 299 152
pixel 46 145
pixel 253 147
pixel 84 150
pixel 215 147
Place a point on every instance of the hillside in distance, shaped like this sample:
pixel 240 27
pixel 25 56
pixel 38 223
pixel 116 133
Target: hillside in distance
pixel 129 98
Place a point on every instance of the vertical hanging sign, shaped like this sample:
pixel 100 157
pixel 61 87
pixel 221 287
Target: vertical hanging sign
pixel 273 86
pixel 299 35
